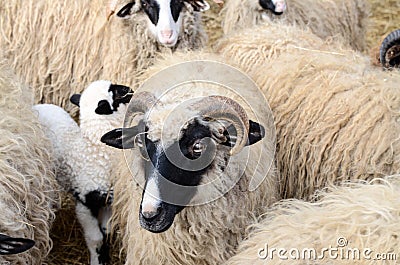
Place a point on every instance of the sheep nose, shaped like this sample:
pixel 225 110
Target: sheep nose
pixel 166 34
pixel 150 215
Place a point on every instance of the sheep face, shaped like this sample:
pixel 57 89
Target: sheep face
pixel 276 6
pixel 164 17
pixel 175 167
pixel 102 98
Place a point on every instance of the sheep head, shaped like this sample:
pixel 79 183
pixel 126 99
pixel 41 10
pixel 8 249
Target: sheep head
pixel 275 6
pixel 390 50
pixel 205 130
pixel 164 16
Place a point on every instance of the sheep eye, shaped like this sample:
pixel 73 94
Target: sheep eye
pixel 198 148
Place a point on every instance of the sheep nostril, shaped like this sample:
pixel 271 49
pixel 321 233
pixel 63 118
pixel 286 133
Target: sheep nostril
pixel 151 215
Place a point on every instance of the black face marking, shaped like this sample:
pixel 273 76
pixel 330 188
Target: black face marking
pixel 126 10
pixel 176 8
pixel 120 94
pixel 152 9
pixel 267 4
pixel 95 200
pixel 103 108
pixel 10 245
pixel 75 99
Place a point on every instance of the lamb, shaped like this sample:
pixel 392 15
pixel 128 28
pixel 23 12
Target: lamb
pixel 203 140
pixel 83 173
pixel 358 221
pixel 337 117
pixel 59 45
pixel 29 192
pixel 345 20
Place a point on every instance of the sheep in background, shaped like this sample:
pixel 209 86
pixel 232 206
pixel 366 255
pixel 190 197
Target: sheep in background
pixel 59 45
pixel 28 189
pixel 337 117
pixel 205 119
pixel 343 19
pixel 389 52
pixel 81 171
pixel 352 218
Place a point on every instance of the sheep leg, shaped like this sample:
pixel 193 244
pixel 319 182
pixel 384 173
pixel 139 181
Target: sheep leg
pixel 94 237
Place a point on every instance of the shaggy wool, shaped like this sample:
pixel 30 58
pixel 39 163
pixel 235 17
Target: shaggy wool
pixel 60 47
pixel 342 20
pixel 358 222
pixel 336 116
pixel 28 190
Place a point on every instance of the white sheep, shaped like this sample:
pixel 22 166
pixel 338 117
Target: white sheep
pixel 204 130
pixel 29 194
pixel 82 172
pixel 337 117
pixel 343 19
pixel 355 223
pixel 68 44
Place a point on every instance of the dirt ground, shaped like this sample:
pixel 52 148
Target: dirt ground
pixel 69 246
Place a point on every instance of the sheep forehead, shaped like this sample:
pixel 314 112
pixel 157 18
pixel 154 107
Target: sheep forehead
pixel 94 93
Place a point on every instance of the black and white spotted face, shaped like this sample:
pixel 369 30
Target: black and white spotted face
pixel 275 6
pixel 164 17
pixel 102 98
pixel 181 163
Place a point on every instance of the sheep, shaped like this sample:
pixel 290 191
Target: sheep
pixel 337 117
pixel 345 20
pixel 81 171
pixel 390 50
pixel 59 45
pixel 212 124
pixel 356 222
pixel 28 189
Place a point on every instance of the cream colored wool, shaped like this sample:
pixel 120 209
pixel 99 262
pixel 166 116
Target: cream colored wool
pixel 61 46
pixel 28 190
pixel 329 19
pixel 204 234
pixel 365 214
pixel 337 117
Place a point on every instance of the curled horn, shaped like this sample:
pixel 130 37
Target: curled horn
pixel 141 102
pixel 220 107
pixel 386 53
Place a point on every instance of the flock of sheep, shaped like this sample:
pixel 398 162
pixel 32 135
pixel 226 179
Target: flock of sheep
pixel 324 151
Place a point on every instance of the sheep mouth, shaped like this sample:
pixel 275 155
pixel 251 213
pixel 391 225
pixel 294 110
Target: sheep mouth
pixel 161 222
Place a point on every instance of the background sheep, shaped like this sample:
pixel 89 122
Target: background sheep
pixel 59 45
pixel 337 117
pixel 356 216
pixel 81 170
pixel 28 190
pixel 201 234
pixel 345 20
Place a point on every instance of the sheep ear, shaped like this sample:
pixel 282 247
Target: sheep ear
pixel 10 245
pixel 122 94
pixel 75 99
pixel 199 5
pixel 126 11
pixel 256 134
pixel 103 108
pixel 121 138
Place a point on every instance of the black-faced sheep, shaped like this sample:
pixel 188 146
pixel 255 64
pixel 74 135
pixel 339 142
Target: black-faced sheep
pixel 28 189
pixel 337 117
pixel 355 223
pixel 343 19
pixel 187 148
pixel 59 45
pixel 389 52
